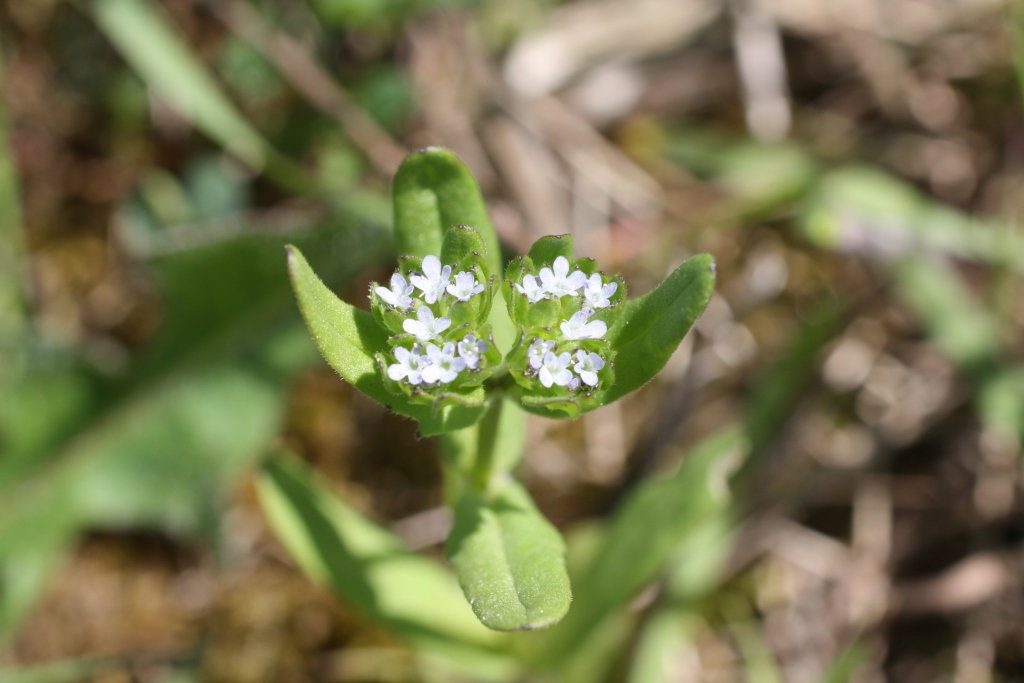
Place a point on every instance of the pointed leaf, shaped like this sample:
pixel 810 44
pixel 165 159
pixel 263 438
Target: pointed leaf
pixel 348 338
pixel 433 191
pixel 510 560
pixel 649 328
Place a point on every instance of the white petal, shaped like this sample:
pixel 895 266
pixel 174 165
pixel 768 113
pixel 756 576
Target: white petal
pixel 546 377
pixel 593 330
pixel 561 266
pixel 396 372
pixel 563 377
pixel 432 373
pixel 387 295
pixel 576 280
pixel 589 378
pixel 432 268
pixel 417 329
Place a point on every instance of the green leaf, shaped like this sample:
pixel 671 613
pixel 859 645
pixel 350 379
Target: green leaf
pixel 349 337
pixel 156 52
pixel 965 330
pixel 12 247
pixel 365 564
pixel 649 328
pixel 459 246
pixel 510 560
pixel 545 250
pixel 433 191
pixel 644 533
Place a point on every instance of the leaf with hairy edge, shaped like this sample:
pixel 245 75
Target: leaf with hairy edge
pixel 510 560
pixel 348 338
pixel 649 328
pixel 433 191
pixel 366 565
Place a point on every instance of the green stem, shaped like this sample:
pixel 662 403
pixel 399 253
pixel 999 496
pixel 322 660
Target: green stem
pixel 487 438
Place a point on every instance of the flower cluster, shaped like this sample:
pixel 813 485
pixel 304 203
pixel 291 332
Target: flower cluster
pixel 563 309
pixel 436 320
pixel 556 282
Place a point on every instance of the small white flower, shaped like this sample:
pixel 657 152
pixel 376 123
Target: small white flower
pixel 427 327
pixel 538 348
pixel 555 369
pixel 597 293
pixel 444 366
pixel 398 295
pixel 470 349
pixel 574 384
pixel 532 288
pixel 410 365
pixel 434 280
pixel 588 366
pixel 577 326
pixel 465 286
pixel 558 281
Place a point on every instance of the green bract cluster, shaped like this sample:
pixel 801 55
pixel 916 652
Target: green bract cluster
pixel 563 309
pixel 441 349
pixel 435 311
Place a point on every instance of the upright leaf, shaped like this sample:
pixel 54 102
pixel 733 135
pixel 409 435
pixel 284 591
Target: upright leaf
pixel 433 191
pixel 650 328
pixel 510 560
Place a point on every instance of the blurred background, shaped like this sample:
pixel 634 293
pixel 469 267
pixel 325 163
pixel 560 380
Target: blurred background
pixel 856 167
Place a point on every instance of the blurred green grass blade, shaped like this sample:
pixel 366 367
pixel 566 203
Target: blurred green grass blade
pixel 963 328
pixel 774 391
pixel 847 663
pixel 433 190
pixel 12 247
pixel 759 661
pixel 509 559
pixel 758 179
pixel 863 210
pixel 189 413
pixel 1001 402
pixel 365 564
pixel 666 633
pixel 164 460
pixel 165 63
pixel 348 337
pixel 66 671
pixel 650 525
pixel 650 327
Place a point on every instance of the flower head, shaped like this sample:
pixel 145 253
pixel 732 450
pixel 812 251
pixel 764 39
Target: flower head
pixel 434 280
pixel 577 326
pixel 470 350
pixel 597 293
pixel 558 281
pixel 465 286
pixel 444 365
pixel 537 350
pixel 555 369
pixel 532 288
pixel 410 365
pixel 398 295
pixel 587 366
pixel 427 327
